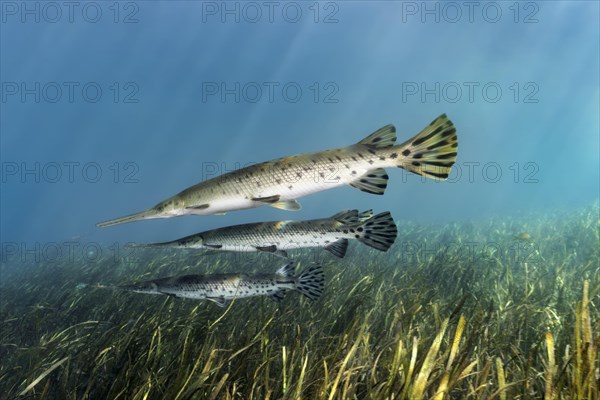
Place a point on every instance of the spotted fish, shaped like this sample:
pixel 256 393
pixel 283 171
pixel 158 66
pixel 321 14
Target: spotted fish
pixel 276 237
pixel 278 183
pixel 222 288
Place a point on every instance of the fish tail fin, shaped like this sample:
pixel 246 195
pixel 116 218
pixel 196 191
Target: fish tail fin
pixel 378 232
pixel 148 214
pixel 311 282
pixel 432 152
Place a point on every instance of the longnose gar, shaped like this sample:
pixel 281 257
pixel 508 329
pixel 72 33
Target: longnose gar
pixel 278 183
pixel 276 237
pixel 222 288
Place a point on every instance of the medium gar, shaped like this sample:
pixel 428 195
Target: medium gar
pixel 276 237
pixel 222 288
pixel 278 183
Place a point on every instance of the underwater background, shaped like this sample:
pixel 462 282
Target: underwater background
pixel 490 291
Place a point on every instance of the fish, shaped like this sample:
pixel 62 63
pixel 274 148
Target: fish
pixel 223 288
pixel 279 183
pixel 276 237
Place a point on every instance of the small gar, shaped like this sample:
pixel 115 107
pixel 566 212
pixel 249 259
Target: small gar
pixel 277 237
pixel 222 288
pixel 278 183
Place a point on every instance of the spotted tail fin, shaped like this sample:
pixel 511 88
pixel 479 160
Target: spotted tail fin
pixel 311 282
pixel 432 152
pixel 378 232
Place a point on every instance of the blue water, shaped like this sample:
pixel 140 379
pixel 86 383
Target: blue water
pixel 158 126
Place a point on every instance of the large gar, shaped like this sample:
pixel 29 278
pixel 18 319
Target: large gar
pixel 278 183
pixel 222 288
pixel 276 237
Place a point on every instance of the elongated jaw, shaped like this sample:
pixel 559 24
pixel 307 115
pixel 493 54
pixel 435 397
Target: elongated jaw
pixel 148 214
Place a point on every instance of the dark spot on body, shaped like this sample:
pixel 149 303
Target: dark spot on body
pixel 406 153
pixel 394 155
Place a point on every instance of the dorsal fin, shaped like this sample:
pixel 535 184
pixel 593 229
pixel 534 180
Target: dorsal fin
pixel 365 215
pixel 287 269
pixel 346 217
pixel 381 138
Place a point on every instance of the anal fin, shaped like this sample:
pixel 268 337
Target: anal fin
pixel 277 296
pixel 374 181
pixel 338 248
